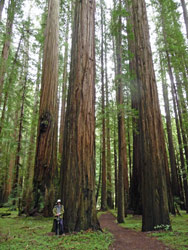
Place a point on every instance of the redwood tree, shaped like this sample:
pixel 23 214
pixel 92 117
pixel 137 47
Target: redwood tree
pixel 78 160
pixel 46 155
pixel 153 151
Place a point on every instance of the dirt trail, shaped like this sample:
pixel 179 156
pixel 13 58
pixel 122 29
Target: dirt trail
pixel 126 239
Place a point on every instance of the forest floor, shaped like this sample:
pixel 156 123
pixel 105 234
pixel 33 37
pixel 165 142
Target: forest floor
pixel 128 239
pixel 34 233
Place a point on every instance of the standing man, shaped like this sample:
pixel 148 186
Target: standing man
pixel 58 211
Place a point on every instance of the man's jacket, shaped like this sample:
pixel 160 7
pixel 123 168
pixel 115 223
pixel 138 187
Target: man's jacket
pixel 55 211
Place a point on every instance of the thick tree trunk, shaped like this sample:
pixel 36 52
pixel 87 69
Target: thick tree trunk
pixel 153 151
pixel 78 161
pixel 135 183
pixel 46 155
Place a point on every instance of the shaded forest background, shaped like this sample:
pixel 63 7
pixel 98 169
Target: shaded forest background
pixel 82 121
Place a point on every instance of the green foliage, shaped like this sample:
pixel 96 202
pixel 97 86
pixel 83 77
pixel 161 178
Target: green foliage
pixel 34 233
pixel 162 227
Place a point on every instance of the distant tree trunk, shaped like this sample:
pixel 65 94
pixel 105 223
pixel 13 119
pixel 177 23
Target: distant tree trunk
pixel 100 173
pixel 9 84
pixel 153 151
pixel 21 118
pixel 174 174
pixel 64 88
pixel 2 2
pixel 122 170
pixel 6 45
pixel 115 136
pixel 110 201
pixel 178 123
pixel 115 167
pixel 10 176
pixel 28 196
pixel 181 132
pixel 46 155
pixel 104 172
pixel 185 15
pixel 78 161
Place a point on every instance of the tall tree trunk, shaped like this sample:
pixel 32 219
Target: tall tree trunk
pixel 135 183
pixel 122 169
pixel 9 179
pixel 185 15
pixel 7 42
pixel 174 174
pixel 115 167
pixel 64 88
pixel 115 136
pixel 28 196
pixel 100 172
pixel 184 140
pixel 110 202
pixel 2 2
pixel 178 124
pixel 104 170
pixel 16 183
pixel 78 161
pixel 46 155
pixel 153 151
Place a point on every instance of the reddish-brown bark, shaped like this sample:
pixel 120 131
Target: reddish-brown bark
pixel 78 161
pixel 153 152
pixel 46 153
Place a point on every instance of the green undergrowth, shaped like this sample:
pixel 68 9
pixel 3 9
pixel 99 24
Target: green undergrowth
pixel 177 238
pixel 34 233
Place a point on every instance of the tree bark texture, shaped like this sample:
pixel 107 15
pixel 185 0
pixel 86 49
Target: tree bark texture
pixel 135 181
pixel 78 161
pixel 46 155
pixel 153 151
